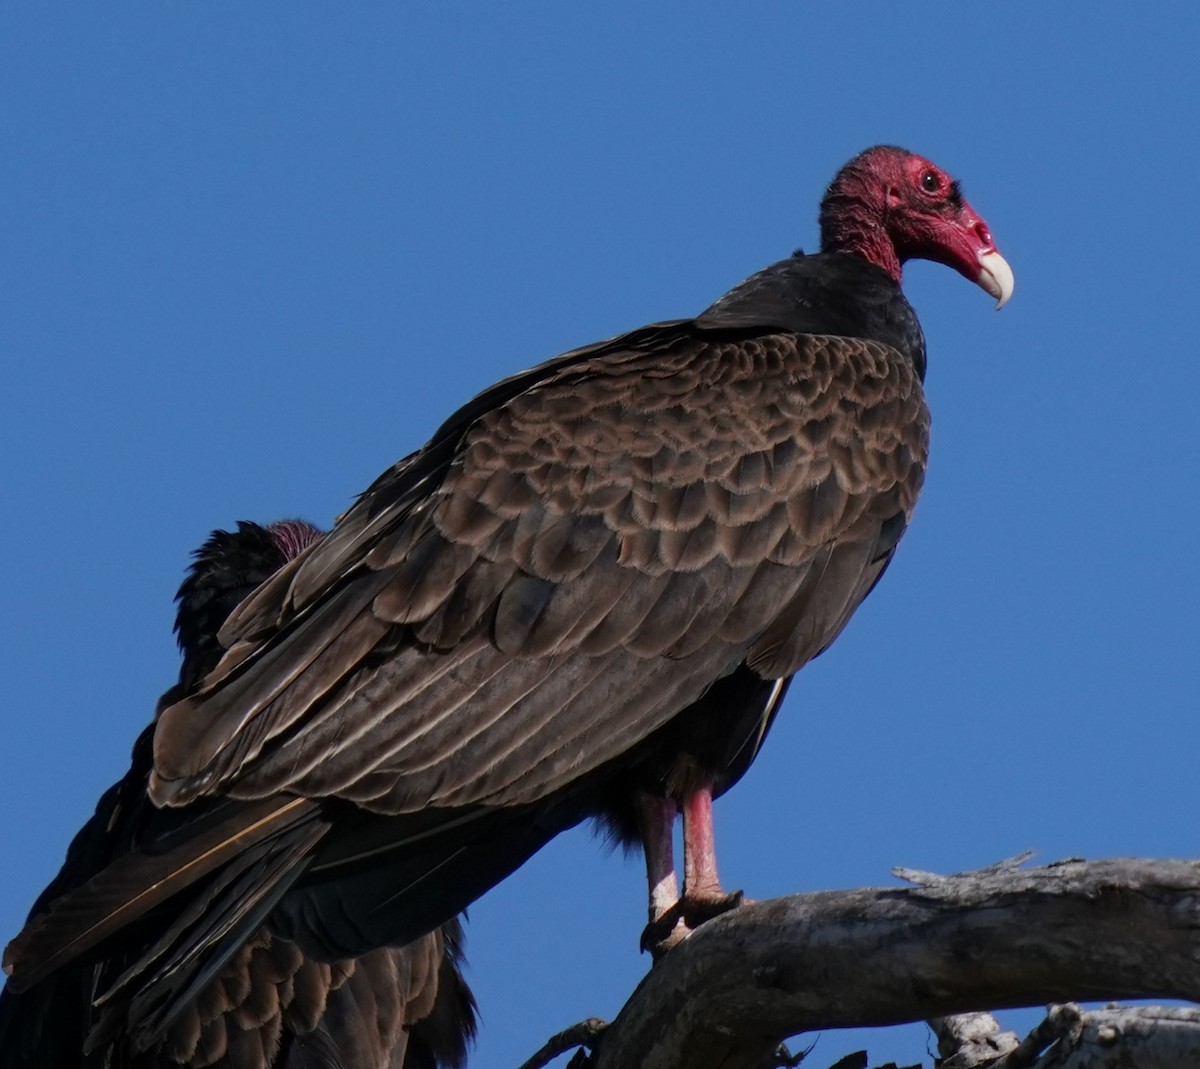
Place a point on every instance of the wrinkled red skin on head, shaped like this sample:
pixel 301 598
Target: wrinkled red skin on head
pixel 939 225
pixel 294 536
pixel 889 205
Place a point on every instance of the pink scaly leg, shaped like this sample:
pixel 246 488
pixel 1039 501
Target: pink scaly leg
pixel 703 896
pixel 673 917
pixel 657 819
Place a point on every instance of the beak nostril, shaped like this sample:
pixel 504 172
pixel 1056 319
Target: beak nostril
pixel 985 235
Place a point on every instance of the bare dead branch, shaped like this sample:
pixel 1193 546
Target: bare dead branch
pixel 949 945
pixel 1060 1022
pixel 1117 1037
pixel 583 1034
pixel 971 1040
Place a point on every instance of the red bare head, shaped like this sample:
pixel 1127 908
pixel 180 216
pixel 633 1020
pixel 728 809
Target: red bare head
pixel 889 205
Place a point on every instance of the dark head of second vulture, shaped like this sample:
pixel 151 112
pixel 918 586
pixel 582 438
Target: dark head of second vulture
pixel 584 597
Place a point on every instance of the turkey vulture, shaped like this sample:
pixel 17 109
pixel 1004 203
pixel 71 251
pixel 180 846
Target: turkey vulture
pixel 270 1007
pixel 584 597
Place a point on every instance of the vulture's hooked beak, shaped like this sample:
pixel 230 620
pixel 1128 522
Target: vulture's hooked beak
pixel 995 276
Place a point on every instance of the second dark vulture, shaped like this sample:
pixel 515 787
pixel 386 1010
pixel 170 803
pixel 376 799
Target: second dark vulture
pixel 269 1006
pixel 584 596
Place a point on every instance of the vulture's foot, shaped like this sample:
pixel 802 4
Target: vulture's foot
pixel 674 925
pixel 663 933
pixel 701 906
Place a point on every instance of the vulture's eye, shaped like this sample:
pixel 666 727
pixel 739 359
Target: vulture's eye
pixel 931 182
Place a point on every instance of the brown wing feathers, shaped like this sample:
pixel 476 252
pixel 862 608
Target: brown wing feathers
pixel 595 581
pixel 267 1006
pixel 559 575
pixel 632 506
pixel 136 883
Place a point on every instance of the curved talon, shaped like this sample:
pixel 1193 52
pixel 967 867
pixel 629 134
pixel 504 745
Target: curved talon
pixel 663 933
pixel 675 924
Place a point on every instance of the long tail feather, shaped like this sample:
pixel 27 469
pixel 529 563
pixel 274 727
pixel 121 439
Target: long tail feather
pixel 134 884
pixel 148 996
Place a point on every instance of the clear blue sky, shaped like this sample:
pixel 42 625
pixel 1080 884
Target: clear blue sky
pixel 250 254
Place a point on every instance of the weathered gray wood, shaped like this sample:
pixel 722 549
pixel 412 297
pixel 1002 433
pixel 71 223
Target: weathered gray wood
pixel 1148 1037
pixel 948 945
pixel 971 1040
pixel 580 1035
pixel 1117 1037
